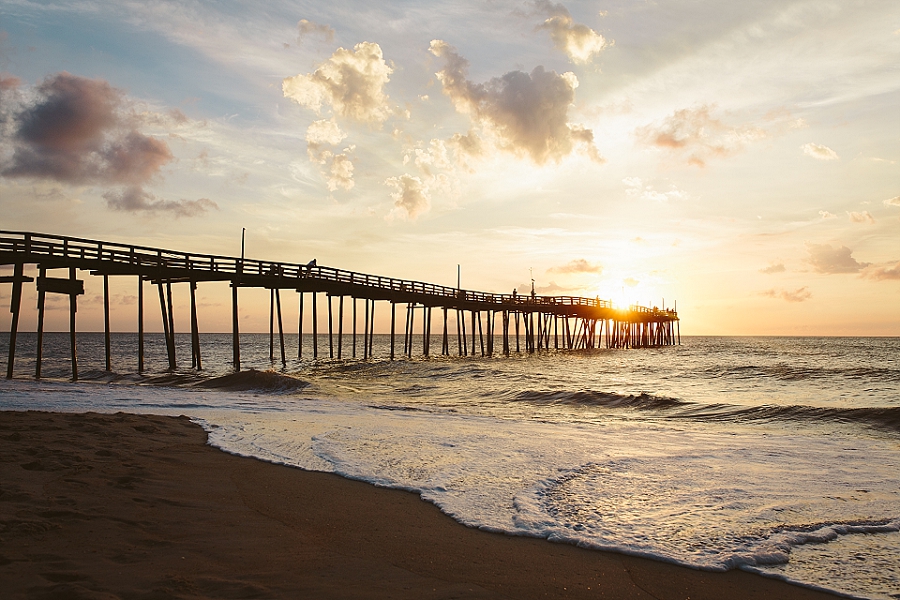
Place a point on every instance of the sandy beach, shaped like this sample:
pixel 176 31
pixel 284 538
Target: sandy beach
pixel 132 506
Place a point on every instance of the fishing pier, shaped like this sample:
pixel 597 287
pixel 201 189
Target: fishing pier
pixel 526 323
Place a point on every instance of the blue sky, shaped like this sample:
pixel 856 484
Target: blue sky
pixel 742 158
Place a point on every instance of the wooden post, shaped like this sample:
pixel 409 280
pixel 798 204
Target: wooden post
pixel 73 308
pixel 465 340
pixel 272 325
pixel 300 328
pixel 516 316
pixel 424 330
pixel 106 340
pixel 340 324
pixel 459 336
pixel 140 324
pixel 195 330
pixel 480 333
pixel 330 329
pixel 280 331
pixel 40 326
pixel 15 305
pixel 505 333
pixel 473 331
pixel 372 330
pixel 412 322
pixel 354 328
pixel 165 318
pixel 235 329
pixel 366 331
pixel 393 324
pixel 171 326
pixel 315 327
pixel 445 343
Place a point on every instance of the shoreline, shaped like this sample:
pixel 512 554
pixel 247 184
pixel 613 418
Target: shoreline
pixel 140 506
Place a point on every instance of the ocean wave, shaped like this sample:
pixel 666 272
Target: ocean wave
pixel 595 398
pixel 884 418
pixel 785 372
pixel 255 381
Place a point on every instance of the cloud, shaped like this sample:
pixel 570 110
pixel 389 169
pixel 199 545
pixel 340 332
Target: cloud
pixel 819 152
pixel 9 82
pixel 411 196
pixel 695 133
pixel 551 288
pixel 579 265
pixel 830 261
pixel 75 130
pixel 895 201
pixel 134 199
pixel 630 281
pixel 799 295
pixel 883 273
pixel 634 186
pixel 351 82
pixel 773 268
pixel 861 217
pixel 336 167
pixel 526 113
pixel 827 215
pixel 307 28
pixel 580 43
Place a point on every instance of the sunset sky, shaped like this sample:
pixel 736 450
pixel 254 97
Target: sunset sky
pixel 740 158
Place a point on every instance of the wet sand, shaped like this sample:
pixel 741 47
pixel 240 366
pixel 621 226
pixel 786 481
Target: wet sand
pixel 131 506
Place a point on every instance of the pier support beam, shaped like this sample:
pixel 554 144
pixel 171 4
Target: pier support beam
pixel 73 308
pixel 140 324
pixel 235 329
pixel 106 340
pixel 15 305
pixel 42 296
pixel 196 363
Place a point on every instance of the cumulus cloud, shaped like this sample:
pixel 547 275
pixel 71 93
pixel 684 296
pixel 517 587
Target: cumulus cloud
pixel 351 82
pixel 82 131
pixel 580 43
pixel 337 168
pixel 579 265
pixel 134 199
pixel 895 201
pixel 799 295
pixel 773 268
pixel 411 196
pixel 635 187
pixel 883 272
pixel 75 130
pixel 819 152
pixel 830 261
pixel 525 113
pixel 306 28
pixel 696 134
pixel 861 217
pixel 827 215
pixel 630 281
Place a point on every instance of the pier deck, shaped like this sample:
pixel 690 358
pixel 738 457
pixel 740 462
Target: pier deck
pixel 542 317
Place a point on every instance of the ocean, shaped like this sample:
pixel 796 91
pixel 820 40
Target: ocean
pixel 777 455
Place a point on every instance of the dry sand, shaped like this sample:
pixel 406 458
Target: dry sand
pixel 130 506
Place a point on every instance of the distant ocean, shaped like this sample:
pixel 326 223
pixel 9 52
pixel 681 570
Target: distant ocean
pixel 775 455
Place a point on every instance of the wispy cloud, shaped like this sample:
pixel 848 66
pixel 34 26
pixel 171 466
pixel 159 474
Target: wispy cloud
pixel 801 294
pixel 697 135
pixel 890 271
pixel 819 151
pixel 579 265
pixel 580 43
pixel 830 261
pixel 773 268
pixel 861 217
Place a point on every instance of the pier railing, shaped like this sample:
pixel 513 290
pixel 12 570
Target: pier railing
pixel 144 259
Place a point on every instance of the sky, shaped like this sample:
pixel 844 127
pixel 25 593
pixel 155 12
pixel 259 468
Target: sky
pixel 739 158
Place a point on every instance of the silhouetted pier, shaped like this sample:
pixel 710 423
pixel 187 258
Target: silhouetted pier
pixel 527 322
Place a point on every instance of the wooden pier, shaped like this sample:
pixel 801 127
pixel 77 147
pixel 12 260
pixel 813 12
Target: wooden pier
pixel 527 323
